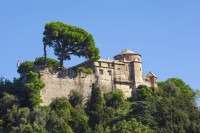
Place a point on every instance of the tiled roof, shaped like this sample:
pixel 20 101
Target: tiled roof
pixel 150 74
pixel 127 51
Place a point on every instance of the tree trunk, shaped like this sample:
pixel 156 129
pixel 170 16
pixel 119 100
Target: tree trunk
pixel 45 55
pixel 171 122
pixel 61 58
pixel 61 63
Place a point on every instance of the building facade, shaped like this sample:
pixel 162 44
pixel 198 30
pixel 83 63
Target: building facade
pixel 124 72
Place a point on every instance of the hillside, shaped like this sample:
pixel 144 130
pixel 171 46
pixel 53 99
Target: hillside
pixel 169 108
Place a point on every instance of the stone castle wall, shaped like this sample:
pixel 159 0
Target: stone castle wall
pixel 124 73
pixel 59 85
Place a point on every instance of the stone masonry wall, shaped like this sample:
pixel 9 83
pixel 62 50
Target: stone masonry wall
pixel 56 86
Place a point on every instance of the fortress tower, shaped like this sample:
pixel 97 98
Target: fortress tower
pixel 135 66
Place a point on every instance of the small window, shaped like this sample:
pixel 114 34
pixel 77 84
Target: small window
pixel 101 71
pixel 118 68
pixel 127 68
pixel 108 65
pixel 99 63
pixel 140 69
pixel 109 72
pixel 130 86
pixel 113 64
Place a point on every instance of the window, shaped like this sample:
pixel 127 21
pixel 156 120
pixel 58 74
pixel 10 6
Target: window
pixel 99 63
pixel 118 68
pixel 109 72
pixel 130 86
pixel 140 69
pixel 127 68
pixel 101 71
pixel 113 64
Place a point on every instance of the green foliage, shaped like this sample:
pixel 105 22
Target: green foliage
pixel 143 92
pixel 6 102
pixel 67 40
pixel 130 126
pixel 75 98
pixel 83 69
pixel 50 63
pixel 38 116
pixel 144 112
pixel 5 86
pixel 114 99
pixel 107 116
pixel 96 98
pixel 25 67
pixel 79 121
pixel 62 107
pixel 1 125
pixel 95 106
pixel 184 88
pixel 171 108
pixel 98 129
pixel 171 89
pixel 35 128
pixel 54 121
pixel 16 119
pixel 33 87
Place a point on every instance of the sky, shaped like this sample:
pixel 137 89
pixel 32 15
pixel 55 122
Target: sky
pixel 165 32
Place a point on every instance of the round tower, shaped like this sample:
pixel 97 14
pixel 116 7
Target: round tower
pixel 128 55
pixel 135 65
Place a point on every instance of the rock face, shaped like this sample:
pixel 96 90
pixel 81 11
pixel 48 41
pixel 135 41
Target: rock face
pixel 58 85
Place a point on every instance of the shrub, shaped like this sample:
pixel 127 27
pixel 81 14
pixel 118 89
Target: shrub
pixel 75 98
pixel 49 62
pixel 25 67
pixel 83 69
pixel 114 99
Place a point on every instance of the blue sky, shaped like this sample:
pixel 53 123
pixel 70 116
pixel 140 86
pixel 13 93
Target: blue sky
pixel 165 32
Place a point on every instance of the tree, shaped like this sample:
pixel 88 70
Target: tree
pixel 62 108
pixel 33 87
pixel 184 89
pixel 130 126
pixel 144 112
pixel 7 102
pixel 114 99
pixel 16 119
pixel 50 63
pixel 95 106
pixel 143 92
pixel 5 86
pixel 171 89
pixel 79 121
pixel 25 67
pixel 69 40
pixel 75 98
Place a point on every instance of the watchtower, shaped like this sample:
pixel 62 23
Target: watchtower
pixel 135 66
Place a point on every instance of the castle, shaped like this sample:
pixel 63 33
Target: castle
pixel 124 72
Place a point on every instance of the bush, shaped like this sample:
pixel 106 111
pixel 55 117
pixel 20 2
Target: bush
pixel 143 92
pixel 49 62
pixel 75 98
pixel 83 69
pixel 33 87
pixel 114 99
pixel 25 67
